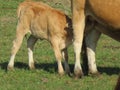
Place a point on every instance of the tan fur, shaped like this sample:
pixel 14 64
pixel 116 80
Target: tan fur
pixel 106 13
pixel 106 18
pixel 43 22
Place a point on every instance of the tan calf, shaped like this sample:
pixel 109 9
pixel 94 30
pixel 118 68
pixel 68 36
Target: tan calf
pixel 43 22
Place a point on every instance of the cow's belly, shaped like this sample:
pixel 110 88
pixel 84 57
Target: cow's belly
pixel 111 32
pixel 92 24
pixel 106 12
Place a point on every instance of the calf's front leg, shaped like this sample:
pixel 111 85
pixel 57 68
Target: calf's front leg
pixel 30 45
pixel 65 57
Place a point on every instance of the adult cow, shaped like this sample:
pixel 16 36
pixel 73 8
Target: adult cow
pixel 105 16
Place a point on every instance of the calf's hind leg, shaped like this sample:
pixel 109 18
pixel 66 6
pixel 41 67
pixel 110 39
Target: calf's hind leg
pixel 58 55
pixel 30 44
pixel 20 33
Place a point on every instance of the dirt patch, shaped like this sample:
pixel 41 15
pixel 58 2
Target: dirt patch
pixel 7 19
pixel 112 47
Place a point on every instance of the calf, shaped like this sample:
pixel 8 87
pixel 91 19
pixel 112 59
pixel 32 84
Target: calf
pixel 43 22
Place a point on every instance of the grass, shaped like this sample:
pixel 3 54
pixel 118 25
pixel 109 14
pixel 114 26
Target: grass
pixel 45 76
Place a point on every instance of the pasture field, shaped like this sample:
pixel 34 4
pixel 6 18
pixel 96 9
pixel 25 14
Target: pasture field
pixel 45 76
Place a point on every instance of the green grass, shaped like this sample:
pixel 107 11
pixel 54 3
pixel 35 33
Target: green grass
pixel 45 76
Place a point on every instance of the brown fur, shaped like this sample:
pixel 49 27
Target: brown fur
pixel 106 19
pixel 43 22
pixel 105 15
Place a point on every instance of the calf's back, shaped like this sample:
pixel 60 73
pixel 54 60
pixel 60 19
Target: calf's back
pixel 44 22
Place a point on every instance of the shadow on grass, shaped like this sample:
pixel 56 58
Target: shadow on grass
pixel 49 67
pixel 52 67
pixel 109 70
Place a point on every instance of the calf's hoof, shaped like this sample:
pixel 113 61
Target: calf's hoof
pixel 67 72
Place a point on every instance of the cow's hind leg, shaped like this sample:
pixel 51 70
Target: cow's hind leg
pixel 65 57
pixel 20 33
pixel 30 44
pixel 91 42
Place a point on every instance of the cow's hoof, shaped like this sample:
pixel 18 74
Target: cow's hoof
pixel 95 74
pixel 61 74
pixel 10 68
pixel 32 66
pixel 78 74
